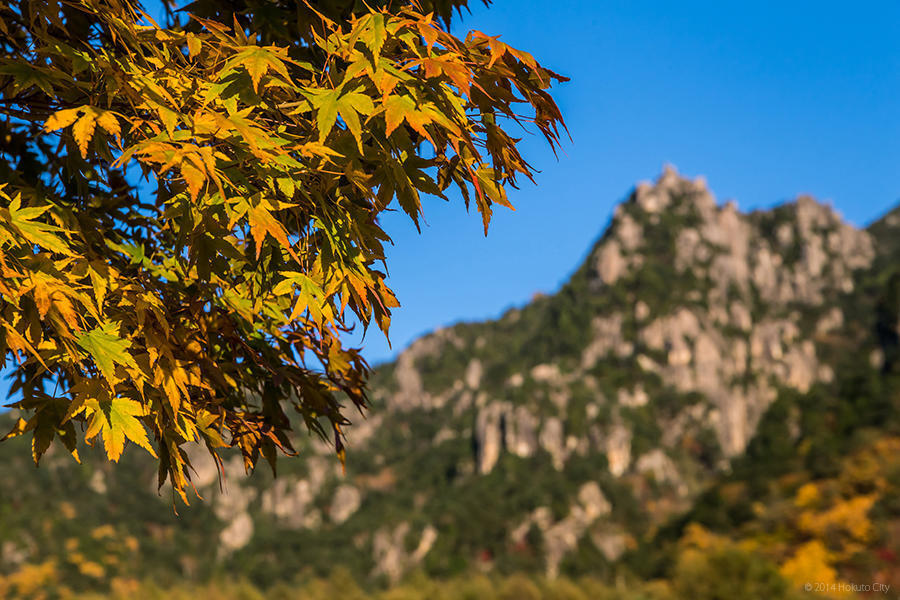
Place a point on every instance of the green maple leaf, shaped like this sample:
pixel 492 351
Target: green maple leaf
pixel 377 34
pixel 326 105
pixel 350 106
pixel 107 349
pixel 257 61
pixel 28 75
pixel 41 234
pixel 309 296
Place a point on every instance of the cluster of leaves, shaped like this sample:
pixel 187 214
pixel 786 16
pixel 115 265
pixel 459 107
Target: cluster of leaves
pixel 274 135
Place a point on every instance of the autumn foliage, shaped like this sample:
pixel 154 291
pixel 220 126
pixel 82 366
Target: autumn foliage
pixel 190 210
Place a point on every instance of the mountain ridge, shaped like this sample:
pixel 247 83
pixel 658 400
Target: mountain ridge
pixel 561 437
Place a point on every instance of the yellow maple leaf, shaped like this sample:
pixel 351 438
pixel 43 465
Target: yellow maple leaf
pixel 62 118
pixel 194 177
pixel 84 131
pixel 262 223
pixel 108 121
pixel 116 419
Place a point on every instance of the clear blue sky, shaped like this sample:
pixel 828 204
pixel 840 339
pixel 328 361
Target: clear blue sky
pixel 766 99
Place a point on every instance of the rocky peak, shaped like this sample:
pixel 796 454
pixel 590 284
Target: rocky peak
pixel 670 198
pixel 693 296
pixel 789 253
pixel 713 295
pixel 671 190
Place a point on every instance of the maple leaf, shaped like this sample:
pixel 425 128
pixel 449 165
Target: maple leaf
pixel 116 419
pixel 209 426
pixel 257 61
pixel 108 121
pixel 377 34
pixel 62 118
pixel 26 76
pixel 263 223
pixel 194 45
pixel 100 277
pixel 396 109
pixel 350 106
pixel 49 294
pixel 83 130
pixel 20 427
pixel 107 349
pixel 286 185
pixel 41 234
pixel 194 177
pixel 43 433
pixel 309 295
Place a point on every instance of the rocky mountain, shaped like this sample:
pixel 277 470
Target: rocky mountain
pixel 571 435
